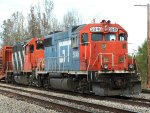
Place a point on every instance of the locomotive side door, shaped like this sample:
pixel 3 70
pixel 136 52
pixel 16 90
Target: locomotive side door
pixel 84 51
pixel 64 54
pixel 32 55
pixel 75 51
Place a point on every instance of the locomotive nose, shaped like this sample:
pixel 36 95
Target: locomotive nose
pixel 119 83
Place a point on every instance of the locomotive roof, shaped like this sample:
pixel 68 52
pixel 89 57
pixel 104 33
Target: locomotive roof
pixel 76 29
pixel 23 42
pixel 73 29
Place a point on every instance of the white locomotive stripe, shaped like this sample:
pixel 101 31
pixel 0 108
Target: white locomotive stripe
pixel 68 53
pixel 20 59
pixel 64 43
pixel 23 52
pixel 13 63
pixel 15 54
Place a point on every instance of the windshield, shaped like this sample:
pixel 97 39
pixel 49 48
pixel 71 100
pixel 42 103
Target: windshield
pixel 39 45
pixel 122 37
pixel 110 37
pixel 84 39
pixel 97 37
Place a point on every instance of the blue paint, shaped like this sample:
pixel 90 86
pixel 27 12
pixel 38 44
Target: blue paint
pixel 61 55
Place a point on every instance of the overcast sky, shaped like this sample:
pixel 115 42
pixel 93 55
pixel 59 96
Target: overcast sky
pixel 123 12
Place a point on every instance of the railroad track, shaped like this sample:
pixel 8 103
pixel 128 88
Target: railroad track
pixel 131 101
pixel 146 91
pixel 124 100
pixel 57 103
pixel 121 99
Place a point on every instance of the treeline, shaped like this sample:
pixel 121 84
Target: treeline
pixel 142 62
pixel 39 22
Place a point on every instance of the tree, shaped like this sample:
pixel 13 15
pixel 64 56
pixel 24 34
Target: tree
pixel 142 62
pixel 13 29
pixel 45 25
pixel 38 19
pixel 48 16
pixel 55 26
pixel 33 26
pixel 18 26
pixel 7 34
pixel 71 18
pixel 40 23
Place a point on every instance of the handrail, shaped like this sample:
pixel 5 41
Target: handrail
pixel 8 65
pixel 57 63
pixel 101 56
pixel 85 49
pixel 107 54
pixel 40 64
pixel 133 55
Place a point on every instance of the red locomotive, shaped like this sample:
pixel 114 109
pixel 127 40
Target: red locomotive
pixel 105 47
pixel 104 54
pixel 34 52
pixel 86 58
pixel 21 60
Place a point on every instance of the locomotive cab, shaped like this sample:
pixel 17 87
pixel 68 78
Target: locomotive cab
pixel 104 47
pixel 34 52
pixel 26 59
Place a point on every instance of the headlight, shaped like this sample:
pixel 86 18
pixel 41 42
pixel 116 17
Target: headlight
pixel 105 66
pixel 131 66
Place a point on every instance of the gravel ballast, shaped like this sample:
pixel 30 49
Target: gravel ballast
pixel 110 103
pixel 10 105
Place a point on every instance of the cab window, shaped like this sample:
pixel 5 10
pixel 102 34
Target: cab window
pixel 122 37
pixel 84 39
pixel 48 42
pixel 74 42
pixel 39 45
pixel 110 37
pixel 31 48
pixel 97 37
